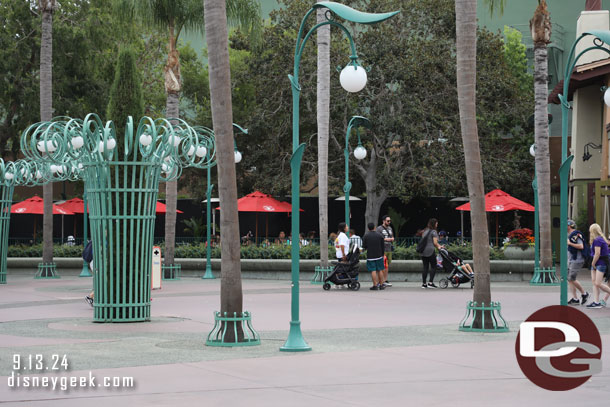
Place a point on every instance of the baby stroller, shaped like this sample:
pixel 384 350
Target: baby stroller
pixel 452 264
pixel 345 273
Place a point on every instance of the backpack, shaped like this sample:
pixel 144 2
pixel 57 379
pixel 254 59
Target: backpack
pixel 421 246
pixel 586 250
pixel 88 252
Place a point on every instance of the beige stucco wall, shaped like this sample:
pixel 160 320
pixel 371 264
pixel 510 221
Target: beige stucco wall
pixel 586 128
pixel 588 21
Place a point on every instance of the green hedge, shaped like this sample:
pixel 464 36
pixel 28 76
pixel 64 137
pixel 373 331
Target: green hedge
pixel 197 251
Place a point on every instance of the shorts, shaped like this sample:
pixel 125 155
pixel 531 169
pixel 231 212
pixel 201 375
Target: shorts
pixel 573 269
pixel 388 255
pixel 601 268
pixel 374 265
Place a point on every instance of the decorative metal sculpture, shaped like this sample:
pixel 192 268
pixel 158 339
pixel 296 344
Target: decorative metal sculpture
pixel 121 173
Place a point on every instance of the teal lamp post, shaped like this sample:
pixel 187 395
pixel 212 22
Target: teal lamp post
pixel 85 272
pixel 601 39
pixel 536 215
pixel 353 79
pixel 359 152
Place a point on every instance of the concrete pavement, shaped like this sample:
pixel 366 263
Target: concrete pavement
pixel 399 346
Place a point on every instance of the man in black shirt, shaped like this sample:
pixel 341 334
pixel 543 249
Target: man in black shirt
pixel 373 243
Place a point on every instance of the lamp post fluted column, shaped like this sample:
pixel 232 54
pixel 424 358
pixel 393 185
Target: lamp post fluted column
pixel 353 79
pixel 359 153
pixel 208 217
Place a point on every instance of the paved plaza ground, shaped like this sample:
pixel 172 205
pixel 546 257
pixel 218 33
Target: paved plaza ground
pixel 395 347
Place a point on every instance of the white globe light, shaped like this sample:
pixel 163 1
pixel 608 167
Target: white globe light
pixel 51 146
pixel 8 176
pixel 353 78
pixel 360 152
pixel 77 142
pixel 111 144
pixel 191 151
pixel 175 140
pixel 80 166
pixel 237 157
pixel 607 97
pixel 168 158
pixel 533 150
pixel 38 175
pixel 201 151
pixel 146 139
pixel 164 167
pixel 60 169
pixel 40 146
pixel 54 168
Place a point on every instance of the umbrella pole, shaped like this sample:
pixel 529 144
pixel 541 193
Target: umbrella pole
pixel 62 229
pixel 267 226
pixel 462 225
pixel 497 217
pixel 256 230
pixel 214 221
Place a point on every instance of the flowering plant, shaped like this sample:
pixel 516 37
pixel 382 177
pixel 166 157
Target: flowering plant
pixel 521 237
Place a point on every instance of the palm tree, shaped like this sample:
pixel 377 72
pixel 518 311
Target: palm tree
pixel 231 296
pixel 466 46
pixel 47 7
pixel 540 26
pixel 173 16
pixel 323 113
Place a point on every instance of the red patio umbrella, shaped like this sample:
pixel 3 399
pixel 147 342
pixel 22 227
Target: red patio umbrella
pixel 161 208
pixel 260 202
pixel 35 206
pixel 75 205
pixel 499 201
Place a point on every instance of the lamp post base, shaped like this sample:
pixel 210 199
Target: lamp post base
pixel 295 341
pixel 208 273
pixel 85 272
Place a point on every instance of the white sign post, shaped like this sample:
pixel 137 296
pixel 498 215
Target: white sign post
pixel 155 278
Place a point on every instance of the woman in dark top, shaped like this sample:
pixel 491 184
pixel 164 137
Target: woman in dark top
pixel 428 256
pixel 599 264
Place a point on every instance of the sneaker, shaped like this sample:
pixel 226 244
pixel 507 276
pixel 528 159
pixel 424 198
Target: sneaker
pixel 594 305
pixel 424 286
pixel 387 284
pixel 374 288
pixel 89 300
pixel 584 298
pixel 381 286
pixel 431 285
pixel 603 303
pixel 574 301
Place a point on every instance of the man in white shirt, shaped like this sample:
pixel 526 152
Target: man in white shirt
pixel 342 243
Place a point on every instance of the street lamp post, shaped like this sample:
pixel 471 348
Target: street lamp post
pixel 601 39
pixel 359 153
pixel 353 79
pixel 536 214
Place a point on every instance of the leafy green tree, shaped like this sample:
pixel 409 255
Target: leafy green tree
pixel 125 94
pixel 172 17
pixel 516 58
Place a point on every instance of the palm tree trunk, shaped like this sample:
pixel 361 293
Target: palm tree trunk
pixel 173 87
pixel 540 26
pixel 466 44
pixel 543 167
pixel 46 114
pixel 231 296
pixel 323 117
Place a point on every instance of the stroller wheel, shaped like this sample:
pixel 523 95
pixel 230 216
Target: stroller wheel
pixel 354 286
pixel 443 283
pixel 472 283
pixel 326 286
pixel 455 282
